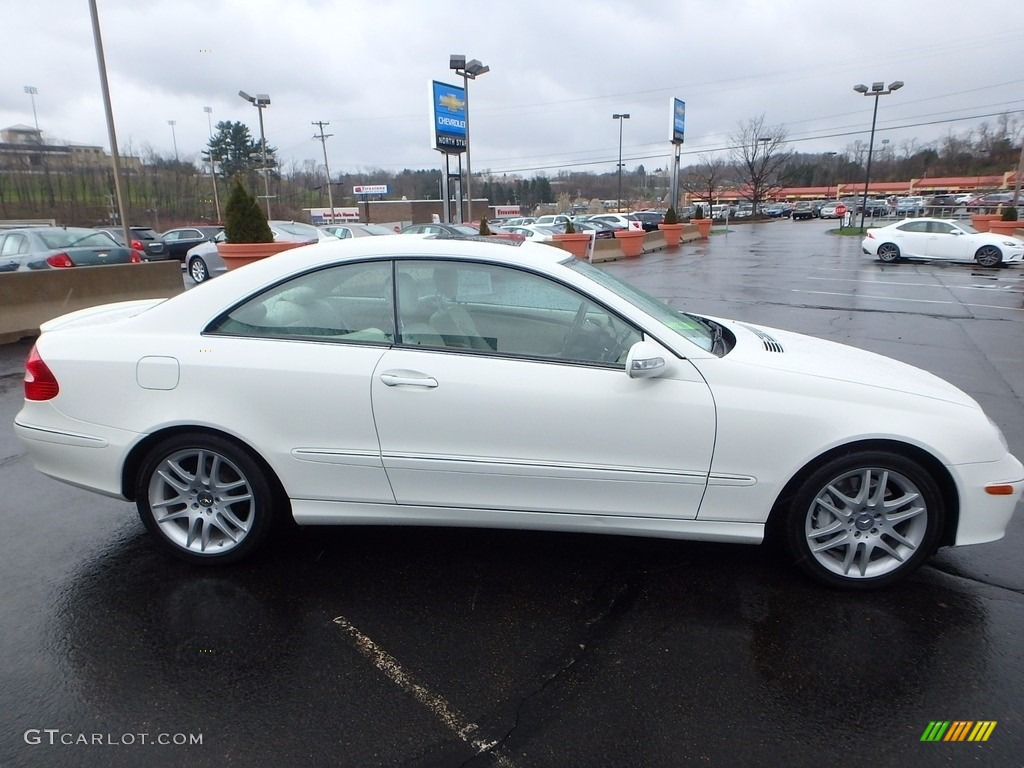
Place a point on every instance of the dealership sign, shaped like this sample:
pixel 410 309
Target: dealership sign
pixel 370 189
pixel 448 112
pixel 678 120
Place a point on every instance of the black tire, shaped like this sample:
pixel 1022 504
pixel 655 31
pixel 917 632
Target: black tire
pixel 888 252
pixel 198 270
pixel 213 502
pixel 844 536
pixel 989 256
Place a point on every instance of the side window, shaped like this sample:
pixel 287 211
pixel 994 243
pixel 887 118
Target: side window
pixel 351 302
pixel 507 311
pixel 14 244
pixel 940 227
pixel 915 226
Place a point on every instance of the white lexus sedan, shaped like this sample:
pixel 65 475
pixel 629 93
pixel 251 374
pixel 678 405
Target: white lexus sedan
pixel 387 380
pixel 941 239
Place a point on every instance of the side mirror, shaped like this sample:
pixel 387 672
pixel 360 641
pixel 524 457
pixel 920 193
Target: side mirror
pixel 645 360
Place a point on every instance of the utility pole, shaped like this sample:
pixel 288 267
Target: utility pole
pixel 323 142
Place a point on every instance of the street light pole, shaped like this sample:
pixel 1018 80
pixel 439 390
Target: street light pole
pixel 31 90
pixel 831 160
pixel 470 71
pixel 213 169
pixel 174 138
pixel 620 118
pixel 261 100
pixel 877 89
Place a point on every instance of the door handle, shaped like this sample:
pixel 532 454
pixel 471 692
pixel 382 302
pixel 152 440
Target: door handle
pixel 408 379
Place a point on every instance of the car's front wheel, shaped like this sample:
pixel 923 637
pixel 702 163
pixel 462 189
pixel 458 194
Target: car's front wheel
pixel 197 269
pixel 888 252
pixel 989 256
pixel 204 498
pixel 865 520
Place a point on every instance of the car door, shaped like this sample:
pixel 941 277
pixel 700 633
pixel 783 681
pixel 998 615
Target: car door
pixel 523 403
pixel 946 241
pixel 912 238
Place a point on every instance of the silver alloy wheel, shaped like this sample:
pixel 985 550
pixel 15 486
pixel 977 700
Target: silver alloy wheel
pixel 866 523
pixel 197 269
pixel 988 256
pixel 888 252
pixel 201 501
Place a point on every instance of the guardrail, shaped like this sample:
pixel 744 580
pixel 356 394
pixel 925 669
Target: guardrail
pixel 29 299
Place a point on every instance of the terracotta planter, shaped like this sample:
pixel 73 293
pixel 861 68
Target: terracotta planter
pixel 1000 227
pixel 576 244
pixel 981 221
pixel 672 234
pixel 239 254
pixel 631 241
pixel 703 226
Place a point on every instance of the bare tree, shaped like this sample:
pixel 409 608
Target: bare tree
pixel 760 155
pixel 704 180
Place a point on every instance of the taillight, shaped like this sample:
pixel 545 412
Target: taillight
pixel 136 257
pixel 40 383
pixel 60 260
pixel 137 245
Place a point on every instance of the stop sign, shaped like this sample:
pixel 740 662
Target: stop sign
pixel 841 210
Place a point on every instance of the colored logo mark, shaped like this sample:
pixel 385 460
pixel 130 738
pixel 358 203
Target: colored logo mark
pixel 452 102
pixel 958 730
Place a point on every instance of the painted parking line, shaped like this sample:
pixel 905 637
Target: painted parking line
pixel 908 301
pixel 449 717
pixel 901 283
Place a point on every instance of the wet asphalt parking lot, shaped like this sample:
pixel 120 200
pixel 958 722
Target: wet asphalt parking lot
pixel 431 647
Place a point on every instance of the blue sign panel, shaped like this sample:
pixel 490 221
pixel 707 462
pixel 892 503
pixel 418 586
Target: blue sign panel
pixel 449 112
pixel 678 120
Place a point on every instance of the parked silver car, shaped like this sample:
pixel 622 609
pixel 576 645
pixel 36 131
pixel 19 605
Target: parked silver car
pixel 203 261
pixel 32 248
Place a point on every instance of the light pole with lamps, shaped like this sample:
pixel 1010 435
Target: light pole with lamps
pixel 620 118
pixel 32 91
pixel 174 138
pixel 831 161
pixel 261 101
pixel 213 168
pixel 877 89
pixel 469 70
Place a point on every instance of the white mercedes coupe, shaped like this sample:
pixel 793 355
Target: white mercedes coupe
pixel 497 384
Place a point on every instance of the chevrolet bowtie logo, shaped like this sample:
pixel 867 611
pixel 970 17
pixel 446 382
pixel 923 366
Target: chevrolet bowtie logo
pixel 452 102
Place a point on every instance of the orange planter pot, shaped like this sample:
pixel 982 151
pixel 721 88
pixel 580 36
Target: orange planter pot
pixel 237 255
pixel 576 244
pixel 1000 227
pixel 981 221
pixel 704 227
pixel 631 241
pixel 672 232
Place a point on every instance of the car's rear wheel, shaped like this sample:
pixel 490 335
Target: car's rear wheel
pixel 989 256
pixel 204 498
pixel 888 252
pixel 865 520
pixel 197 269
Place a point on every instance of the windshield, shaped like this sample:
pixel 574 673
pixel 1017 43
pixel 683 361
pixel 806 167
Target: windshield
pixel 688 326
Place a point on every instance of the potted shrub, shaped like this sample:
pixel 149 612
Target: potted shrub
pixel 671 228
pixel 1007 223
pixel 574 242
pixel 248 234
pixel 703 223
pixel 631 241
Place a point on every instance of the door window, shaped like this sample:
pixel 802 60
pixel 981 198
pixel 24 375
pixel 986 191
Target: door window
pixel 493 309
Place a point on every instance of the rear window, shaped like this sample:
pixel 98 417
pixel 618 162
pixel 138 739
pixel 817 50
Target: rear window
pixel 69 238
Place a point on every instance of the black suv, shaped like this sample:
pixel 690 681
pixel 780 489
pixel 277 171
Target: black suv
pixel 144 240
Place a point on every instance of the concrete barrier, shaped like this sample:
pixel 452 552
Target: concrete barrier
pixel 29 299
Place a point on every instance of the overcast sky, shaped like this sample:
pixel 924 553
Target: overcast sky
pixel 559 70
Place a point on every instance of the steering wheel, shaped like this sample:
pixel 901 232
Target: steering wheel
pixel 615 349
pixel 577 324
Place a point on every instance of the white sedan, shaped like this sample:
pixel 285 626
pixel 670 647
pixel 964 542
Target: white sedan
pixel 941 239
pixel 388 380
